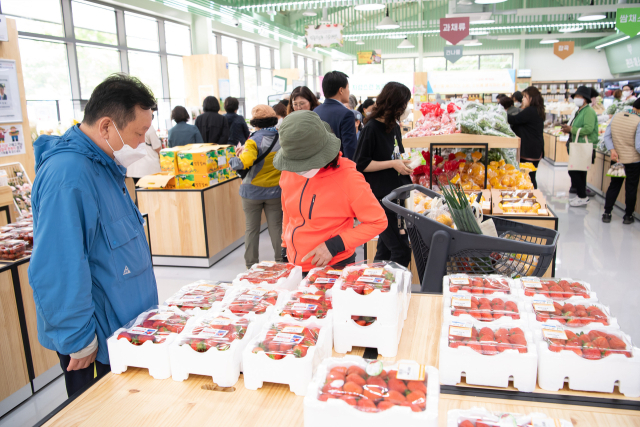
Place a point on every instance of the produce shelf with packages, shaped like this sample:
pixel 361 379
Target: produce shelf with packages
pixel 480 417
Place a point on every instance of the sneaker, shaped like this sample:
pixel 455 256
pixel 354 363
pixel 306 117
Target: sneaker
pixel 628 219
pixel 577 202
pixel 590 193
pixel 606 217
pixel 573 190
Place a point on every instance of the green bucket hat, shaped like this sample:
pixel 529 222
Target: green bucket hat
pixel 306 142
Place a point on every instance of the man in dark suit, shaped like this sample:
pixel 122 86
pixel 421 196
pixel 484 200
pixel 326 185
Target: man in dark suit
pixel 336 91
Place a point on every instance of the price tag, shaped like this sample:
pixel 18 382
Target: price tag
pixel 222 160
pixel 220 321
pixel 213 333
pixel 287 338
pixel 299 306
pixel 367 279
pixel 531 282
pixel 161 316
pixel 320 280
pixel 311 296
pixel 257 292
pixel 544 306
pixel 248 298
pixel 553 332
pixel 459 279
pixel 266 264
pixel 460 329
pixel 486 205
pixel 138 330
pixel 335 272
pixel 374 272
pixel 293 329
pixel 411 371
pixel 461 301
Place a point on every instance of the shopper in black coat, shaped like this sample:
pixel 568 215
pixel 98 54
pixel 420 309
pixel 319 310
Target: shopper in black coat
pixel 529 126
pixel 238 129
pixel 213 127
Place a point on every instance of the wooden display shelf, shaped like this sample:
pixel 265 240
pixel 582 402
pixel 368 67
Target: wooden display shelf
pixel 134 398
pixel 462 138
pixel 194 228
pixel 555 150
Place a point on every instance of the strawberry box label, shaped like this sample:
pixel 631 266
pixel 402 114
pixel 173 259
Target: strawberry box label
pixel 299 306
pixel 334 272
pixel 293 329
pixel 267 264
pixel 249 298
pixel 287 338
pixel 161 316
pixel 257 269
pixel 220 321
pixel 257 292
pixel 461 301
pixel 553 332
pixel 531 282
pixel 543 306
pixel 138 330
pixel 311 296
pixel 366 279
pixel 192 298
pixel 460 329
pixel 411 371
pixel 208 333
pixel 459 279
pixel 320 280
pixel 374 272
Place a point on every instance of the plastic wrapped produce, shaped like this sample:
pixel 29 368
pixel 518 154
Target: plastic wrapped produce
pixel 592 344
pixel 484 309
pixel 302 305
pixel 267 271
pixel 321 278
pixel 283 339
pixel 480 417
pixel 155 326
pixel 474 284
pixel 366 278
pixel 486 341
pixel 201 294
pixel 253 300
pixel 12 249
pixel 556 289
pixel 571 315
pixel 218 331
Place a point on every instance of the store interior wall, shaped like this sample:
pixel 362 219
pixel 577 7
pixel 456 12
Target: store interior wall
pixel 586 64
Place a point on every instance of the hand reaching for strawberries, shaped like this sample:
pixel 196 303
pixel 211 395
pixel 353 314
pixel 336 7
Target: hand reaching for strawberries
pixel 320 256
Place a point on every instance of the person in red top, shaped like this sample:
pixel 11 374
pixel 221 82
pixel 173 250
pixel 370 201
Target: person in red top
pixel 322 193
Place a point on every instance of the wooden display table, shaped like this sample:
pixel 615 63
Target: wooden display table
pixel 555 150
pixel 134 398
pixel 194 228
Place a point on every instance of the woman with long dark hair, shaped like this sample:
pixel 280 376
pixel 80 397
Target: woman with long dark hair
pixel 529 126
pixel 378 157
pixel 302 99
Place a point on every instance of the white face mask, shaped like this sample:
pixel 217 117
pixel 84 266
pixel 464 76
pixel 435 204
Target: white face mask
pixel 517 104
pixel 626 93
pixel 404 115
pixel 367 113
pixel 579 102
pixel 126 156
pixel 308 174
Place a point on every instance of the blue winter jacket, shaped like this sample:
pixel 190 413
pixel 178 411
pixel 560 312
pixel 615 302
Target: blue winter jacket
pixel 91 267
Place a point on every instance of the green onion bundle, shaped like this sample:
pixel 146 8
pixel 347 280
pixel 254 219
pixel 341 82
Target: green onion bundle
pixel 459 208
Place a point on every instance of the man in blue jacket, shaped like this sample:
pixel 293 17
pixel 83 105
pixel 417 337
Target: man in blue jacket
pixel 91 269
pixel 335 86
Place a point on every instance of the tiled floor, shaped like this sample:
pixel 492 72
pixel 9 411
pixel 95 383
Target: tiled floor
pixel 601 254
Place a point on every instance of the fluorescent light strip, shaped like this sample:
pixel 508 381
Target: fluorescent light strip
pixel 291 3
pixel 612 42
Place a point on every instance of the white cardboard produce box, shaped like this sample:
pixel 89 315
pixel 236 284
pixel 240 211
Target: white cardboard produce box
pixel 456 416
pixel 288 282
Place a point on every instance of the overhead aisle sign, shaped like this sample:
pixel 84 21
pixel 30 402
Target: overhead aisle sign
pixel 454 30
pixel 628 20
pixel 563 50
pixel 324 36
pixel 452 53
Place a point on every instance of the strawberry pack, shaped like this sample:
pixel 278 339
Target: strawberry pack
pixel 351 391
pixel 366 278
pixel 271 275
pixel 496 310
pixel 303 305
pixel 321 278
pixel 572 313
pixel 144 342
pixel 199 296
pixel 478 285
pixel 593 358
pixel 286 353
pixel 253 300
pixel 488 355
pixel 556 289
pixel 12 250
pixel 480 417
pixel 212 345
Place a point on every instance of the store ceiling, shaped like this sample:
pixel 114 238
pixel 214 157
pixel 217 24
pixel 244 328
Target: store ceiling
pixel 512 18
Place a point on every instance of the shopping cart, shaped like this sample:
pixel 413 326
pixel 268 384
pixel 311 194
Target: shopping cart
pixel 521 249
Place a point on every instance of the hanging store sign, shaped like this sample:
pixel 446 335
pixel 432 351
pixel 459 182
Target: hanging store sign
pixel 563 50
pixel 473 81
pixel 624 57
pixel 452 53
pixel 369 57
pixel 454 30
pixel 628 20
pixel 329 35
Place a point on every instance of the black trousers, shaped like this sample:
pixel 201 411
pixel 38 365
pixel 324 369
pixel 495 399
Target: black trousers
pixel 393 246
pixel 632 171
pixel 533 174
pixel 579 182
pixel 76 380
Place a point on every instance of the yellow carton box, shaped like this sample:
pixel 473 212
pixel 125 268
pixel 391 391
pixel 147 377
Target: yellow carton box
pixel 192 181
pixel 169 159
pixel 224 175
pixel 201 160
pixel 158 181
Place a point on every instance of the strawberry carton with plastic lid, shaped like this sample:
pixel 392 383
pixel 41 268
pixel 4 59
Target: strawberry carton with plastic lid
pixel 495 310
pixel 271 275
pixel 286 353
pixel 321 278
pixel 480 417
pixel 9 235
pixel 144 342
pixel 199 296
pixel 25 233
pixel 556 289
pixel 592 358
pixel 488 354
pixel 353 391
pixel 212 345
pixel 304 305
pixel 12 250
pixel 485 285
pixel 571 313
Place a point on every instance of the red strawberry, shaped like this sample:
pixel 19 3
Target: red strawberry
pixel 590 352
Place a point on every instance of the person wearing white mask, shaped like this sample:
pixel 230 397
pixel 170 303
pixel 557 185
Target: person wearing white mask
pixel 517 102
pixel 379 158
pixel 91 269
pixel 627 93
pixel 366 107
pixel 586 123
pixel 150 163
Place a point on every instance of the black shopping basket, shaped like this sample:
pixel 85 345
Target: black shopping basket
pixel 521 249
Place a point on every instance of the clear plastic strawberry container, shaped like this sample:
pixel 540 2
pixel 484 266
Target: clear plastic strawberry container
pixel 267 271
pixel 478 284
pixel 155 326
pixel 321 278
pixel 9 235
pixel 470 307
pixel 284 338
pixel 556 289
pixel 303 305
pixel 25 234
pixel 365 278
pixel 12 249
pixel 217 332
pixel 253 300
pixel 591 345
pixel 573 313
pixel 202 295
pixel 486 341
pixel 480 417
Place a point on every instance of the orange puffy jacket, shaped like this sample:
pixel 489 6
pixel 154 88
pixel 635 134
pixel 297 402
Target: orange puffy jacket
pixel 317 209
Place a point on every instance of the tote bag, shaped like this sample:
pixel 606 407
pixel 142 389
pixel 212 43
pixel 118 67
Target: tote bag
pixel 580 154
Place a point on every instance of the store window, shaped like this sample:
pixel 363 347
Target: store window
pixel 146 67
pixel 251 98
pixel 276 59
pixel 398 65
pixel 344 66
pixel 469 62
pixel 230 49
pixel 178 38
pixel 176 80
pixel 234 80
pixel 248 54
pixel 265 57
pixel 94 65
pixel 94 23
pixel 432 64
pixel 266 80
pixel 496 62
pixel 36 16
pixel 142 31
pixel 368 69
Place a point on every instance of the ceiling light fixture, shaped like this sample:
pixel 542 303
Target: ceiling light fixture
pixel 359 41
pixel 309 12
pixel 489 1
pixel 592 17
pixel 406 44
pixel 482 21
pixel 465 3
pixel 612 42
pixel 387 23
pixel 397 36
pixel 369 7
pixel 549 41
pixel 570 29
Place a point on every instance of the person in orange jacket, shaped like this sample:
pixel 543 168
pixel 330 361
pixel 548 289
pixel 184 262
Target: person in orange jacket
pixel 322 193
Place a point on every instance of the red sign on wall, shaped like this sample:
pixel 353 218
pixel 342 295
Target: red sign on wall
pixel 454 30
